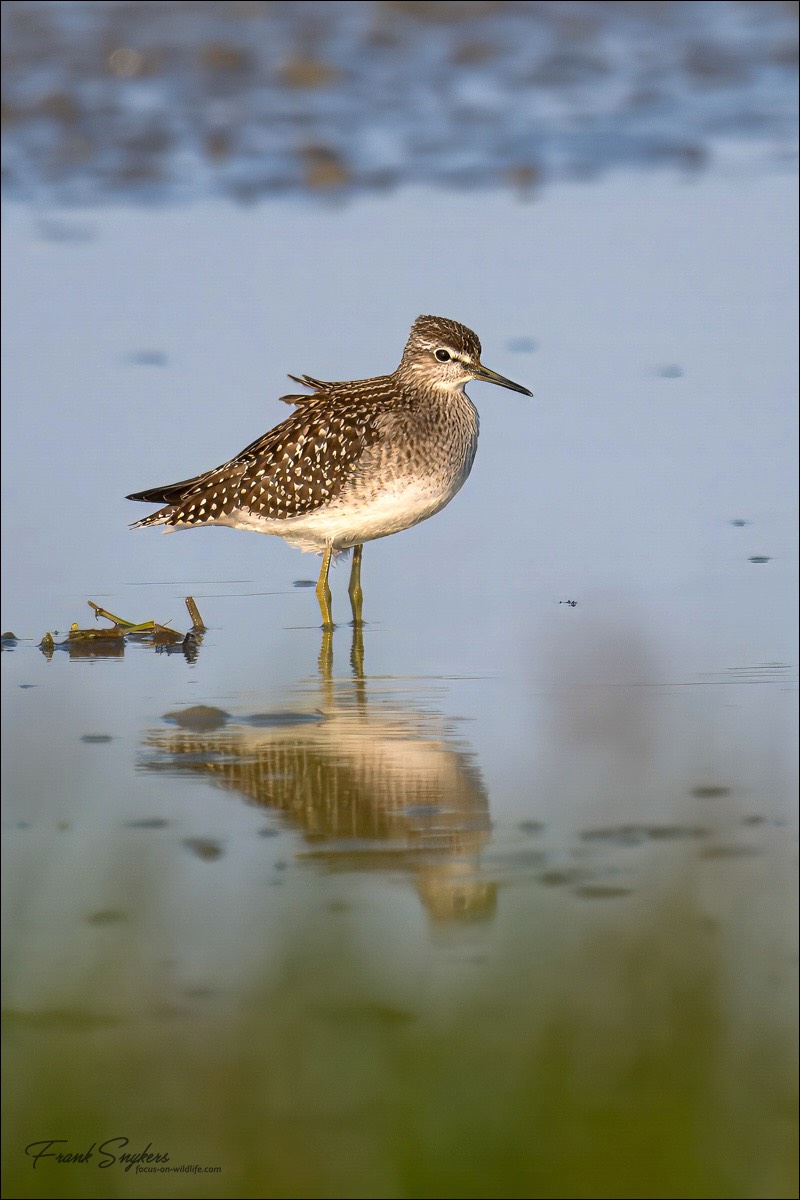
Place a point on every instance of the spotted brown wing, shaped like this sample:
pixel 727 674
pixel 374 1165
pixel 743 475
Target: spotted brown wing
pixel 297 467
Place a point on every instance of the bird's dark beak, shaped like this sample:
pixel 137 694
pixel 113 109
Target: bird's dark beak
pixel 487 376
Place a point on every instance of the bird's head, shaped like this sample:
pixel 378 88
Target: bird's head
pixel 444 354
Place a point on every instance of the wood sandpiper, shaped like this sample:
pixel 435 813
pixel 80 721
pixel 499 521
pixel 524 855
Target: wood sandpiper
pixel 355 461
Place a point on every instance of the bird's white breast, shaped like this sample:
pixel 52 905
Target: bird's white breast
pixel 351 523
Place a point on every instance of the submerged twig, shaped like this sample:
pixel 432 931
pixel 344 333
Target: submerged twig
pixel 162 634
pixel 103 612
pixel 95 635
pixel 194 613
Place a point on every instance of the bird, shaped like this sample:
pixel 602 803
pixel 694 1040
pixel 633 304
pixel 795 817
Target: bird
pixel 355 461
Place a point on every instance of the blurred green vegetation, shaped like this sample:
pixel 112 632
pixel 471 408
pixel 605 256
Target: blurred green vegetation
pixel 634 1046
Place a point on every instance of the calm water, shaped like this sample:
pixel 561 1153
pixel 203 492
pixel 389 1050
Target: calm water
pixel 497 899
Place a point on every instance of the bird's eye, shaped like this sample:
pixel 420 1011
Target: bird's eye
pixel 443 355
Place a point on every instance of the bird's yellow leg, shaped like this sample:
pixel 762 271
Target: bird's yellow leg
pixel 324 591
pixel 354 587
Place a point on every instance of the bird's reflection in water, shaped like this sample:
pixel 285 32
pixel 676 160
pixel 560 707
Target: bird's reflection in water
pixel 372 782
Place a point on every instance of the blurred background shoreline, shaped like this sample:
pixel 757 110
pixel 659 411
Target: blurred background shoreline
pixel 109 102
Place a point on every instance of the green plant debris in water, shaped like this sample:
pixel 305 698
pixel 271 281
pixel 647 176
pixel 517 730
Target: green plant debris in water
pixel 111 641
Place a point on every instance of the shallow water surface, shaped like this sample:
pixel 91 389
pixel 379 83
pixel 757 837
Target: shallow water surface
pixel 493 896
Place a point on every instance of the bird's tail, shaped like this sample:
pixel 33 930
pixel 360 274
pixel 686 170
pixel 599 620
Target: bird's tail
pixel 157 518
pixel 170 494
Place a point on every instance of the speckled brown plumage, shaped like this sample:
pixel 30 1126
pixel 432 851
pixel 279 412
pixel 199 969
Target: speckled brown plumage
pixel 295 468
pixel 355 460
